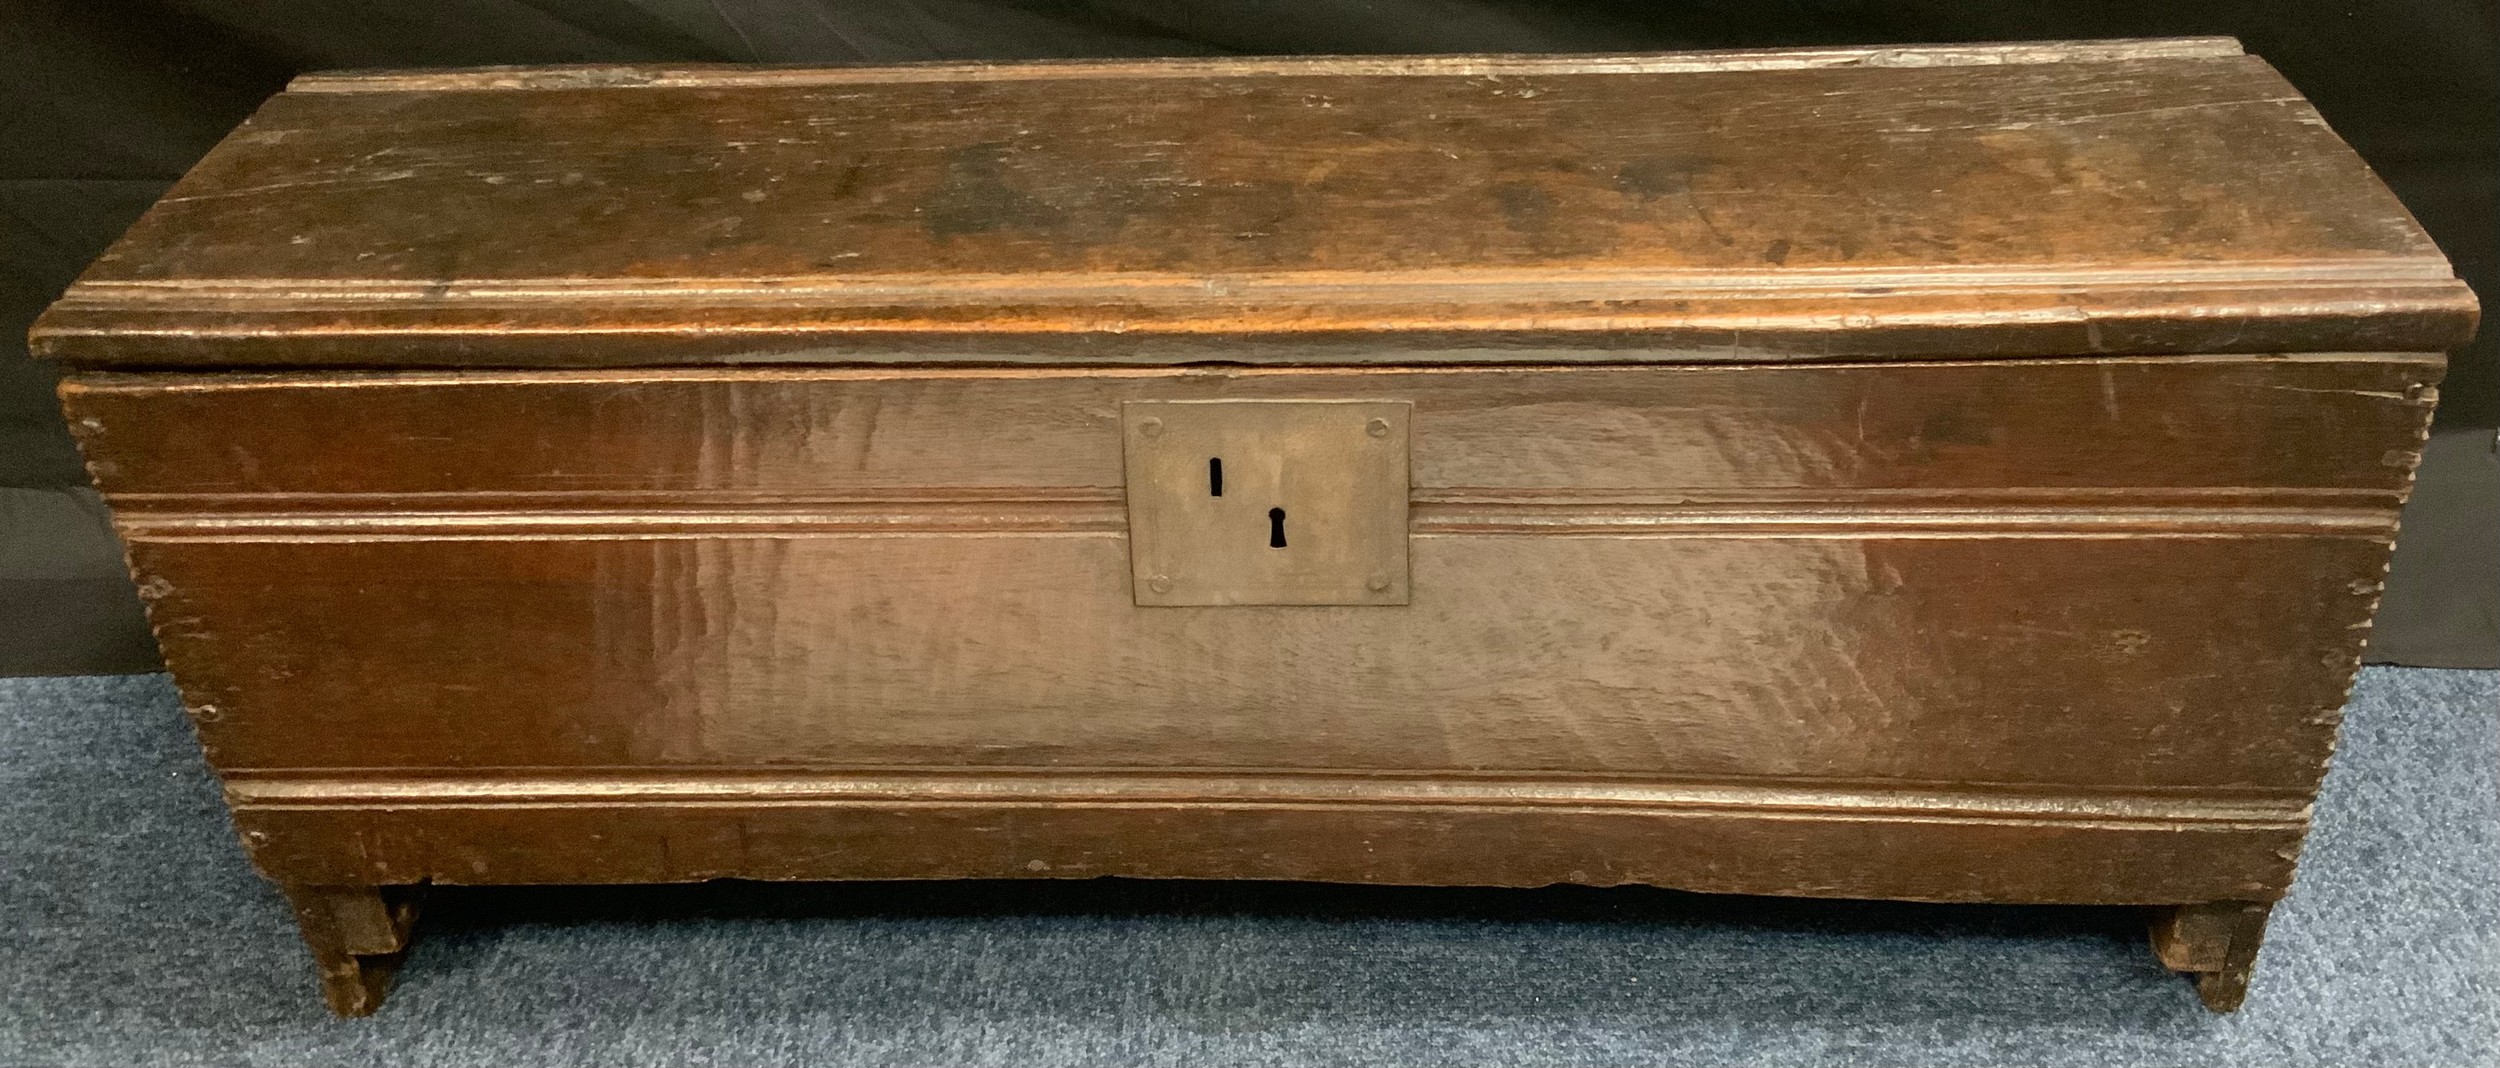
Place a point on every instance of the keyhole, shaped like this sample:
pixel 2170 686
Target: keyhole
pixel 1275 528
pixel 1215 476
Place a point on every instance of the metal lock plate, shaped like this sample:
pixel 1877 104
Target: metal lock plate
pixel 1267 502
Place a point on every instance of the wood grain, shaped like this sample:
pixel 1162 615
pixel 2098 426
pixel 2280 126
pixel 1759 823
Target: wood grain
pixel 1958 473
pixel 726 75
pixel 2183 662
pixel 2142 199
pixel 710 569
pixel 2215 941
pixel 2047 597
pixel 1732 853
pixel 358 935
pixel 2088 435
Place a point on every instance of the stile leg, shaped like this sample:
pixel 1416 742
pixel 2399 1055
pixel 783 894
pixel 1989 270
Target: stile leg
pixel 2216 942
pixel 357 935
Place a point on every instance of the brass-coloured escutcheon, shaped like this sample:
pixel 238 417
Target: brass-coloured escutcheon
pixel 1267 502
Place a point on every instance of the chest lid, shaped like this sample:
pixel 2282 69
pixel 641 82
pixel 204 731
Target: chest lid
pixel 1955 202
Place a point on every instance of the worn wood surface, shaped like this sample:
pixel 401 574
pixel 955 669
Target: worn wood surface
pixel 1969 201
pixel 2216 942
pixel 1950 474
pixel 2037 660
pixel 1939 609
pixel 1900 856
pixel 2328 429
pixel 358 935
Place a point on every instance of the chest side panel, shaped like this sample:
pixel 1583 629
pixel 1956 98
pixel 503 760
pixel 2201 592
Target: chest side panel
pixel 2106 604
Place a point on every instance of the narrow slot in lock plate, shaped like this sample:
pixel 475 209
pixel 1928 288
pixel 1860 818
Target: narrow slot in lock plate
pixel 1267 502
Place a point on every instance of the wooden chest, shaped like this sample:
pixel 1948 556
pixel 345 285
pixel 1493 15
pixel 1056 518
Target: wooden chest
pixel 1951 474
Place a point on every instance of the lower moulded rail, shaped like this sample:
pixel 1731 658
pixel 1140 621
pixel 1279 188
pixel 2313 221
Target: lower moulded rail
pixel 347 866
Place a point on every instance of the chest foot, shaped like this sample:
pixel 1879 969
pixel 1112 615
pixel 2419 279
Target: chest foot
pixel 2216 942
pixel 357 935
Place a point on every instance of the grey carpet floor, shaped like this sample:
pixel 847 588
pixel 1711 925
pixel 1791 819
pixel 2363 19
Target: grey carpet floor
pixel 132 933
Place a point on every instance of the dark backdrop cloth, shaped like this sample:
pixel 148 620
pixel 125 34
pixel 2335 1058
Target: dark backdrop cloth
pixel 106 101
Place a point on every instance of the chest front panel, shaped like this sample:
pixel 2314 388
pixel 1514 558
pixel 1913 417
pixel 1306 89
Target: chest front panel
pixel 2036 590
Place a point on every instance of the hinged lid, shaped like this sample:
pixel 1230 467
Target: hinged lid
pixel 2023 200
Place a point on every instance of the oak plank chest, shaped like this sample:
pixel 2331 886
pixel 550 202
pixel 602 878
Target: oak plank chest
pixel 1952 474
